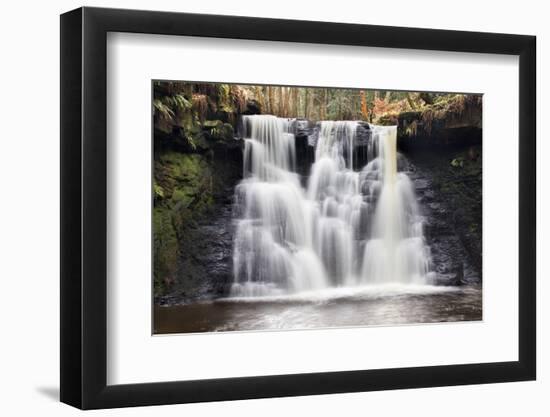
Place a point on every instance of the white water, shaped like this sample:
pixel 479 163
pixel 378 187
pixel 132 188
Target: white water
pixel 346 228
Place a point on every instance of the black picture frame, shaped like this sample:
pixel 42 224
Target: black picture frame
pixel 84 207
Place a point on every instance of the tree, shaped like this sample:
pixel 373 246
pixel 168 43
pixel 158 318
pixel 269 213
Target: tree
pixel 287 102
pixel 324 105
pixel 411 102
pixel 294 101
pixel 306 103
pixel 427 98
pixel 259 95
pixel 271 99
pixel 280 102
pixel 364 108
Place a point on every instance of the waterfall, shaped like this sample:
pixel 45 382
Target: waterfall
pixel 343 228
pixel 396 251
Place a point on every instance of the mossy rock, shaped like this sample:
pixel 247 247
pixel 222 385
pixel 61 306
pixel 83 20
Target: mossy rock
pixel 216 130
pixel 182 191
pixel 165 250
pixel 182 166
pixel 183 198
pixel 211 124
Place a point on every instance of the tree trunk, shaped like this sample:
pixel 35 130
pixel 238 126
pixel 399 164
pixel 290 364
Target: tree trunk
pixel 271 100
pixel 364 108
pixel 325 103
pixel 411 101
pixel 294 102
pixel 280 102
pixel 260 98
pixel 306 103
pixel 287 102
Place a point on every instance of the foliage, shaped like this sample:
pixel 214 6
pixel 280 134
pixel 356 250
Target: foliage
pixel 202 113
pixel 457 162
pixel 158 191
pixel 179 102
pixel 447 107
pixel 240 97
pixel 192 114
pixel 162 110
pixel 200 105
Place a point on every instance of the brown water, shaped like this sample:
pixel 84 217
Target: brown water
pixel 336 308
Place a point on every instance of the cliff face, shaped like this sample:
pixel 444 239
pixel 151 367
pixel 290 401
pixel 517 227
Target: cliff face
pixel 191 220
pixel 192 191
pixel 448 186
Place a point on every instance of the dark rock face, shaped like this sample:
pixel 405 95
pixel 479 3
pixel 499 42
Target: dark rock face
pixel 450 201
pixel 307 128
pixel 253 107
pixel 307 132
pixel 205 260
pixel 303 127
pixel 305 153
pixel 363 134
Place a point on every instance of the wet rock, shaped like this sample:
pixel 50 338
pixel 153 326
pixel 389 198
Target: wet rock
pixel 363 134
pixel 459 274
pixel 253 107
pixel 421 184
pixel 302 127
pixel 428 195
pixel 449 200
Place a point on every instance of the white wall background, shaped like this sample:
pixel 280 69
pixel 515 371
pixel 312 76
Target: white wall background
pixel 29 209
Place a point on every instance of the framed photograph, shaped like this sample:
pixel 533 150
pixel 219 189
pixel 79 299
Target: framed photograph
pixel 255 208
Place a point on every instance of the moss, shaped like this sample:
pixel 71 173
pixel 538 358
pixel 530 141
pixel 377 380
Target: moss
pixel 183 194
pixel 183 198
pixel 210 124
pixel 165 250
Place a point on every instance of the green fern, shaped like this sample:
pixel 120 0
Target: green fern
pixel 163 110
pixel 158 190
pixel 179 102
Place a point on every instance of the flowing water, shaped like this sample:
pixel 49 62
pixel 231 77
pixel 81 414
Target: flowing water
pixel 367 306
pixel 345 227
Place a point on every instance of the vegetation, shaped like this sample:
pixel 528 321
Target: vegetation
pixel 193 117
pixel 188 105
pixel 197 115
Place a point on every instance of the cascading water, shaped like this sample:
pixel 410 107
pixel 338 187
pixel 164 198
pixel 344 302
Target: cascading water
pixel 395 251
pixel 345 228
